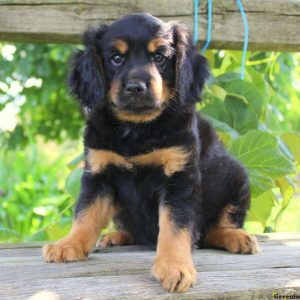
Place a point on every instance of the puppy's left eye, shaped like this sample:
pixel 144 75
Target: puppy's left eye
pixel 117 60
pixel 158 58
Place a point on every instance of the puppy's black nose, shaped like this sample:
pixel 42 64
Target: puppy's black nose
pixel 135 88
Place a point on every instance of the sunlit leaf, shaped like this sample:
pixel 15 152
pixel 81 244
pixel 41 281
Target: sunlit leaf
pixel 76 162
pixel 292 140
pixel 259 150
pixel 261 208
pixel 287 188
pixel 73 183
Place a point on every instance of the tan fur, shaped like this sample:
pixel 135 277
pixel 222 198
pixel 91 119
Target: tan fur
pixel 161 93
pixel 98 160
pixel 118 238
pixel 121 46
pixel 129 117
pixel 225 220
pixel 166 93
pixel 226 235
pixel 173 264
pixel 83 235
pixel 156 86
pixel 172 159
pixel 154 44
pixel 114 91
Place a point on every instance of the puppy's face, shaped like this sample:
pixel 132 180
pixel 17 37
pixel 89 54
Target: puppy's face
pixel 139 62
pixel 138 66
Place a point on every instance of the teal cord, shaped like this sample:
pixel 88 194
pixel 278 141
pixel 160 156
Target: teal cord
pixel 209 25
pixel 196 21
pixel 246 37
pixel 209 30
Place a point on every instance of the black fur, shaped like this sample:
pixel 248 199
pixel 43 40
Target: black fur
pixel 211 180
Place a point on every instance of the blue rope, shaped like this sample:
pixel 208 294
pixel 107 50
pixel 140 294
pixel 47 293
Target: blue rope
pixel 209 29
pixel 209 23
pixel 246 35
pixel 196 2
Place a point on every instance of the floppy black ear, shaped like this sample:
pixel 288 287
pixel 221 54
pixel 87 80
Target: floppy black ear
pixel 86 78
pixel 191 67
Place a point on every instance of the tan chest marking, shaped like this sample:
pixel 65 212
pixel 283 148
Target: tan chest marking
pixel 98 160
pixel 172 159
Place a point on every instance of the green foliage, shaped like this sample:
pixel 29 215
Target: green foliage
pixel 32 196
pixel 244 114
pixel 33 77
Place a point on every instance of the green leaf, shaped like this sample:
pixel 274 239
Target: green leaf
pixel 240 115
pixel 261 208
pixel 7 234
pixel 59 229
pixel 218 91
pixel 286 187
pixel 222 127
pixel 76 161
pixel 227 77
pixel 292 140
pixel 73 183
pixel 258 151
pixel 249 91
pixel 259 183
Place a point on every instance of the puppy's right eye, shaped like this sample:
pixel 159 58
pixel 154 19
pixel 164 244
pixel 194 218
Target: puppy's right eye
pixel 117 60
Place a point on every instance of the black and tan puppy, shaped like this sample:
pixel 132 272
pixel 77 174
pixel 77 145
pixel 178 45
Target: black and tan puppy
pixel 151 162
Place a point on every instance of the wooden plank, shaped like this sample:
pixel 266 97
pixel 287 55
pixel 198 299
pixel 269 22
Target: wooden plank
pixel 105 264
pixel 273 24
pixel 257 284
pixel 123 273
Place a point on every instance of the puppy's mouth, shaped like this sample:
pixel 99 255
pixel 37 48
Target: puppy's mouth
pixel 137 108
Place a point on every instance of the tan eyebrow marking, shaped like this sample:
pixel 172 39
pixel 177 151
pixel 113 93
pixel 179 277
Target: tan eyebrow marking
pixel 153 45
pixel 121 46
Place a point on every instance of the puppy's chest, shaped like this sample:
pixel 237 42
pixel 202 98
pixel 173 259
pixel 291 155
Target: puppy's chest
pixel 130 149
pixel 169 159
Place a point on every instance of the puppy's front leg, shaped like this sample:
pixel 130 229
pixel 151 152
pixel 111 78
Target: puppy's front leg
pixel 173 265
pixel 93 211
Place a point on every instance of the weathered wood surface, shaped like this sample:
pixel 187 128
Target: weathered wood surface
pixel 273 24
pixel 123 273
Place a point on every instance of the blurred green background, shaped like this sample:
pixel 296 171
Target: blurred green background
pixel 258 120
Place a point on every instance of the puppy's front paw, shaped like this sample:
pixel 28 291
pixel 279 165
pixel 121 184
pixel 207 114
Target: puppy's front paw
pixel 64 250
pixel 175 276
pixel 239 241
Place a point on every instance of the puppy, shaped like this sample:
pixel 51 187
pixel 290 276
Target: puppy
pixel 152 163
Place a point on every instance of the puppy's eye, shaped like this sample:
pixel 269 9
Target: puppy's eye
pixel 158 58
pixel 117 60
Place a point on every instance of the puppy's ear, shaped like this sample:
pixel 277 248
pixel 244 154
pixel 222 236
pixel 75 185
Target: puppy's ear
pixel 191 68
pixel 86 79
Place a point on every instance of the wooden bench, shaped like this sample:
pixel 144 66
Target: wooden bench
pixel 123 273
pixel 273 24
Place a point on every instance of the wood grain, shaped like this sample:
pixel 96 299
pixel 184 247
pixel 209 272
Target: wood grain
pixel 124 273
pixel 273 24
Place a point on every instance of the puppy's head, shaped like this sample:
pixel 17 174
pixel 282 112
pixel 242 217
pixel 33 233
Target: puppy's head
pixel 138 66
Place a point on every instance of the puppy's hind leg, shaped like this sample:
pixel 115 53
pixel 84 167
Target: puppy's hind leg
pixel 118 238
pixel 232 197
